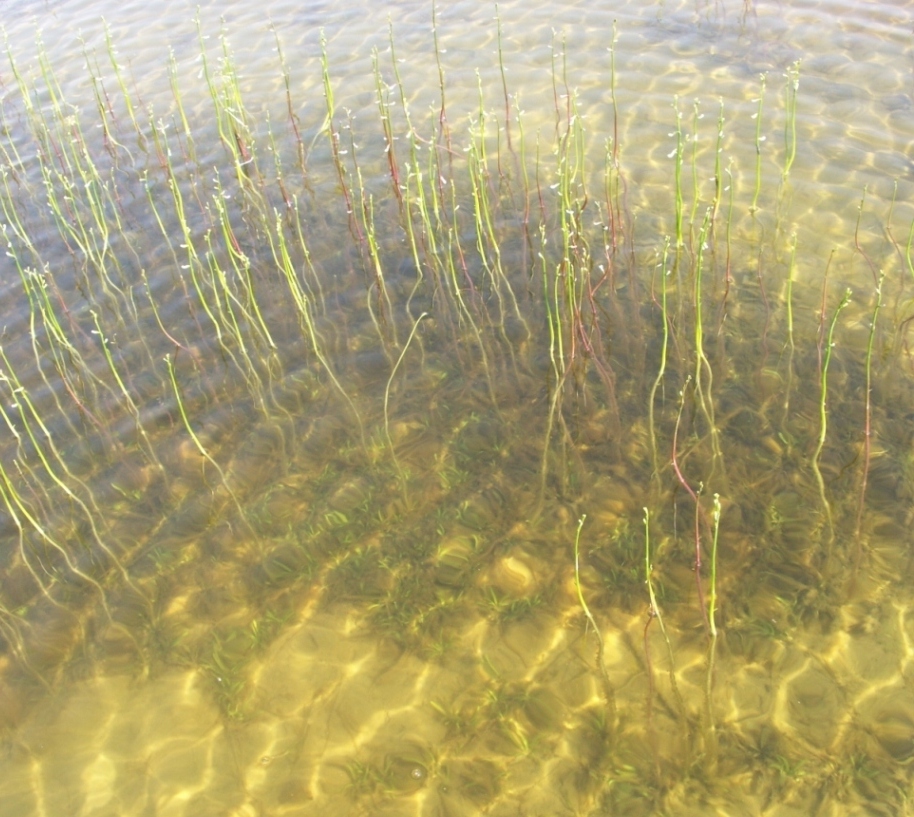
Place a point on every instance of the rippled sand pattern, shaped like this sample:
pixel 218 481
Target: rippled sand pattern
pixel 440 663
pixel 511 721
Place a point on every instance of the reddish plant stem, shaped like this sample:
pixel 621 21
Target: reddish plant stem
pixel 685 484
pixel 293 118
pixel 857 239
pixel 867 425
pixel 594 349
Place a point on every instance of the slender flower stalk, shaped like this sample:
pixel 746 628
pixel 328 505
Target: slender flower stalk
pixel 823 413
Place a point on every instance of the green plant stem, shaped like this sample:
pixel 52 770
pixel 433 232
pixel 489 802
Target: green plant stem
pixel 758 146
pixel 393 373
pixel 712 590
pixel 199 445
pixel 823 421
pixel 655 613
pixel 661 371
pixel 790 128
pixel 607 686
pixel 710 728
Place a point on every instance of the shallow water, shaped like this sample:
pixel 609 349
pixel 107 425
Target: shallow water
pixel 394 552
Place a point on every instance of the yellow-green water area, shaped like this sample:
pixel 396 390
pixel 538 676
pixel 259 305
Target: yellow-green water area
pixel 504 412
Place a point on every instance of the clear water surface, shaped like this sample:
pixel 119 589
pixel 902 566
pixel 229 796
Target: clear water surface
pixel 352 476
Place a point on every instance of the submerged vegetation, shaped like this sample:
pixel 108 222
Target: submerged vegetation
pixel 425 375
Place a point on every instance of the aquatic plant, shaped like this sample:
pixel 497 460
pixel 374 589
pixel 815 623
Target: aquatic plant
pixel 352 365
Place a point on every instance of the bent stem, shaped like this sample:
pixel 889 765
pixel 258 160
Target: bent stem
pixel 390 441
pixel 758 146
pixel 654 612
pixel 790 127
pixel 607 687
pixel 694 495
pixel 823 421
pixel 199 445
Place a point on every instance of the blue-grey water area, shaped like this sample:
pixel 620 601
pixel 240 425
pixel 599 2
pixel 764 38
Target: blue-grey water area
pixel 458 410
